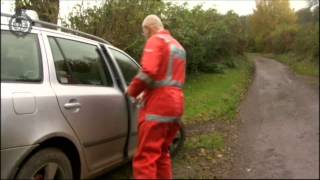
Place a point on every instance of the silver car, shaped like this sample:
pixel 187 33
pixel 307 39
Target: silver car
pixel 64 114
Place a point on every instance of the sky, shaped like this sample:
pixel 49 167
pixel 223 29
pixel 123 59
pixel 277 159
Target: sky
pixel 241 7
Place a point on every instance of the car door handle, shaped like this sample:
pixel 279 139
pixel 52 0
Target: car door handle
pixel 72 105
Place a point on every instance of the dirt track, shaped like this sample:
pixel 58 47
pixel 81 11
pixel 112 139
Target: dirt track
pixel 278 126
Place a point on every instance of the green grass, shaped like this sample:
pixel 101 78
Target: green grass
pixel 299 65
pixel 216 96
pixel 213 141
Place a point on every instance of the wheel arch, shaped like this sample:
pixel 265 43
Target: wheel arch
pixel 61 142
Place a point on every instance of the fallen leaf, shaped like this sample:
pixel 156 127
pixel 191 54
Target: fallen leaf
pixel 202 152
pixel 219 155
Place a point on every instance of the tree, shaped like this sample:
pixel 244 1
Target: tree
pixel 266 18
pixel 313 3
pixel 307 40
pixel 48 10
pixel 304 16
pixel 119 22
pixel 210 39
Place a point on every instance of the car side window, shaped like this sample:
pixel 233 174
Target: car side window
pixel 20 58
pixel 79 63
pixel 128 67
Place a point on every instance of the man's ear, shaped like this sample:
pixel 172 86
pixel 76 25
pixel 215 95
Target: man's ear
pixel 148 31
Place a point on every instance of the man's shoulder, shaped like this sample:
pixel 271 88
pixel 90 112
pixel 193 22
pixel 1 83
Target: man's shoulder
pixel 157 39
pixel 164 38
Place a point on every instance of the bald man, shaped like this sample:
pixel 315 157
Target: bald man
pixel 160 81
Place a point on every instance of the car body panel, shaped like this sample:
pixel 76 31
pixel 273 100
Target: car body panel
pixel 28 129
pixel 101 121
pixel 32 113
pixel 133 109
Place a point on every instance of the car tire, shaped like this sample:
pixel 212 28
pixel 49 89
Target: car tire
pixel 49 163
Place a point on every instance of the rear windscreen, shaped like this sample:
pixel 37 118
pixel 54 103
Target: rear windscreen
pixel 20 58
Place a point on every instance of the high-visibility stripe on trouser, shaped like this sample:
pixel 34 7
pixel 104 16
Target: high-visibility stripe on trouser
pixel 152 159
pixel 159 118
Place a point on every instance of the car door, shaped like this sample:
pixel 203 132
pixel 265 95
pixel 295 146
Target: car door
pixel 129 68
pixel 24 88
pixel 88 98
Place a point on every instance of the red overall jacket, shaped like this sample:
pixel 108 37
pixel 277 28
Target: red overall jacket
pixel 161 78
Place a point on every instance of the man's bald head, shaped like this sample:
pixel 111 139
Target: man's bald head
pixel 151 25
pixel 152 20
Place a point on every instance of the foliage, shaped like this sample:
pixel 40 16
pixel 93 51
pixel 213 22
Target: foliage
pixel 210 38
pixel 119 22
pixel 275 28
pixel 304 16
pixel 266 19
pixel 47 10
pixel 207 36
pixel 307 38
pixel 300 65
pixel 282 38
pixel 307 42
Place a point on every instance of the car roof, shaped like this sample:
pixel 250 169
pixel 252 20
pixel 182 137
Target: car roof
pixel 38 26
pixel 53 28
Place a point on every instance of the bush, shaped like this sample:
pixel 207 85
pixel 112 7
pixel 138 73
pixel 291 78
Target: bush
pixel 282 39
pixel 230 63
pixel 212 68
pixel 275 28
pixel 207 36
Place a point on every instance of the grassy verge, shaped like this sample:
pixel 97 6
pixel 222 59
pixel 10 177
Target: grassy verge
pixel 214 141
pixel 297 64
pixel 216 96
pixel 213 99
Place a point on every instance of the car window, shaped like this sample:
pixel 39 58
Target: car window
pixel 127 66
pixel 20 58
pixel 79 63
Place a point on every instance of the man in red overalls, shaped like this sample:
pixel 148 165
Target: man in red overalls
pixel 160 80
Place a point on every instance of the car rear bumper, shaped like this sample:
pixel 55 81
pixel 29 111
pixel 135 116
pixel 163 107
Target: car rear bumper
pixel 11 158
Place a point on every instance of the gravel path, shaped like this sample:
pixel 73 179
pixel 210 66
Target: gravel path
pixel 278 134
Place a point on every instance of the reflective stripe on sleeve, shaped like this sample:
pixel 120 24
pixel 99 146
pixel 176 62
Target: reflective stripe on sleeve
pixel 171 83
pixel 175 53
pixel 180 53
pixel 163 119
pixel 144 77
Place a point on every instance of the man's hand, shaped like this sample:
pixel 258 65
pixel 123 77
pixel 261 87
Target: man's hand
pixel 139 100
pixel 140 97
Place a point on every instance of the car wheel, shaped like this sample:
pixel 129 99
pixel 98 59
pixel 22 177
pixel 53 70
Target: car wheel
pixel 178 141
pixel 49 163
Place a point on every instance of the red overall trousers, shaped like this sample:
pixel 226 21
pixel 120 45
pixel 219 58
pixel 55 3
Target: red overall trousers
pixel 161 79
